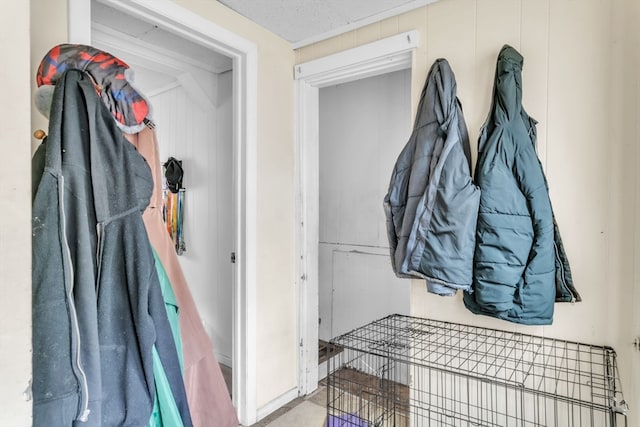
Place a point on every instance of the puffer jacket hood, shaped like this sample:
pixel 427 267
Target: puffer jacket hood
pixel 519 253
pixel 431 206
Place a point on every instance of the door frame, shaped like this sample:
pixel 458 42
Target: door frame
pixel 383 56
pixel 187 24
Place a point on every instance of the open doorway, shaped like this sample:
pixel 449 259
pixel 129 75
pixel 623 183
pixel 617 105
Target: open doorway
pixel 363 125
pixel 233 96
pixel 189 89
pixel 375 59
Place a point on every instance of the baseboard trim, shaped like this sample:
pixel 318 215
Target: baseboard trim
pixel 277 403
pixel 225 360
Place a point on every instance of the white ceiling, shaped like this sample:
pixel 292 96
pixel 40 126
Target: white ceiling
pixel 302 22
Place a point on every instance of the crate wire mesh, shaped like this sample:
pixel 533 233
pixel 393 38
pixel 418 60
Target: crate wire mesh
pixel 406 371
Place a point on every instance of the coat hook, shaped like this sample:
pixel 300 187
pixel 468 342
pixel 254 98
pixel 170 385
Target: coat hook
pixel 39 134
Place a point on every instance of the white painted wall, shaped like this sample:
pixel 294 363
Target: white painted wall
pixel 189 133
pixel 276 296
pixel 363 126
pixel 627 83
pixel 15 228
pixel 581 82
pixel 48 27
pixel 276 371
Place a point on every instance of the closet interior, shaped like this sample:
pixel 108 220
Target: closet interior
pixel 362 126
pixel 189 89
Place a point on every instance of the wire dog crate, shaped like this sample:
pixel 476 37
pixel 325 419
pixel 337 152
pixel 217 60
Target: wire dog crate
pixel 406 371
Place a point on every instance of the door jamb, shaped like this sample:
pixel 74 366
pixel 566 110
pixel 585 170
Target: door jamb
pixel 187 24
pixel 380 57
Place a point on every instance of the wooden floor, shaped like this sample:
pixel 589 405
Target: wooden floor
pixel 327 350
pixel 227 373
pixel 378 400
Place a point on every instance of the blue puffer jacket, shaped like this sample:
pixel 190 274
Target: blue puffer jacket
pixel 432 203
pixel 520 268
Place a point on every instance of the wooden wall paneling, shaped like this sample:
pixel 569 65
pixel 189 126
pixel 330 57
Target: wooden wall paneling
pixel 454 39
pixel 578 156
pixel 534 42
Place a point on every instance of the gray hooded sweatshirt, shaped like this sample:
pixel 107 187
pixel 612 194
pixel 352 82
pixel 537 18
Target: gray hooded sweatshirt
pixel 97 304
pixel 432 202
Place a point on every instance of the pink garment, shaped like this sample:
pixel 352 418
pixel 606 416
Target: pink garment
pixel 207 394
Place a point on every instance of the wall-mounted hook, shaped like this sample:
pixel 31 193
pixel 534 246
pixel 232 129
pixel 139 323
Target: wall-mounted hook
pixel 39 134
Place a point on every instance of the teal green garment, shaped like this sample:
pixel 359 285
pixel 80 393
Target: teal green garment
pixel 518 245
pixel 165 411
pixel 171 304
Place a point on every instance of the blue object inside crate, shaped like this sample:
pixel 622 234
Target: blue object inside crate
pixel 347 420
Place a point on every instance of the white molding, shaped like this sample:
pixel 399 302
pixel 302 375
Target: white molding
pixel 78 26
pixel 180 21
pixel 407 7
pixel 277 403
pixel 361 62
pixel 379 57
pixel 224 359
pixel 125 43
pixel 307 233
pixel 246 129
pixel 150 62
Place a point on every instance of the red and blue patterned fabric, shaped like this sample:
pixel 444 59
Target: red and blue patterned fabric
pixel 108 74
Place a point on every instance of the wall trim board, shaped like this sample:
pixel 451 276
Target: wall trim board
pixel 225 360
pixel 380 57
pixel 407 7
pixel 164 60
pixel 277 403
pixel 186 24
pixel 79 23
pixel 307 172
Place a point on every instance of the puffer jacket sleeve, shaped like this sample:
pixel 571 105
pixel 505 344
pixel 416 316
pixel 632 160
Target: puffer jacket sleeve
pixel 432 202
pixel 504 231
pixel 395 205
pixel 541 266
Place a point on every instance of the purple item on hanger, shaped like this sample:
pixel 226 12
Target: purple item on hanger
pixel 347 420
